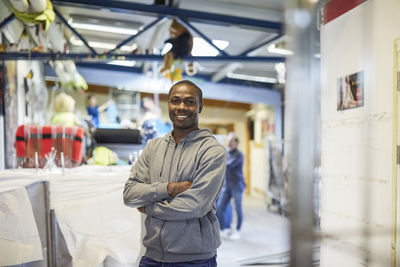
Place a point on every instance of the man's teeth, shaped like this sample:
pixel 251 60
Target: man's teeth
pixel 181 116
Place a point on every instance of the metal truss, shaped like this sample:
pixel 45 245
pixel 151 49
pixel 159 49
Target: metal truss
pixel 162 12
pixel 138 57
pixel 209 18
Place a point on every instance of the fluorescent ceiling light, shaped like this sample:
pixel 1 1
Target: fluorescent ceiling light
pixel 278 50
pixel 103 28
pixel 251 78
pixel 127 63
pixel 201 48
pixel 102 45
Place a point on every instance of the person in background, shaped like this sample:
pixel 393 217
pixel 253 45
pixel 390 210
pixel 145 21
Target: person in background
pixel 175 183
pixel 234 188
pixel 227 215
pixel 93 109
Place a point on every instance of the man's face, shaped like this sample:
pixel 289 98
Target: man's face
pixel 184 107
pixel 93 101
pixel 232 144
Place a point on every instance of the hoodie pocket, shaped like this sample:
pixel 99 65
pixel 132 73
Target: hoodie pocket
pixel 183 237
pixel 211 230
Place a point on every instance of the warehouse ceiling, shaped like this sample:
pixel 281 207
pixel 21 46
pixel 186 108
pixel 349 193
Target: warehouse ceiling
pixel 248 34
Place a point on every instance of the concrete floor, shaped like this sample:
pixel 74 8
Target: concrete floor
pixel 263 233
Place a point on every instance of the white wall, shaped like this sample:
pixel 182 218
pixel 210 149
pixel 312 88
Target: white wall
pixel 259 165
pixel 356 145
pixel 259 169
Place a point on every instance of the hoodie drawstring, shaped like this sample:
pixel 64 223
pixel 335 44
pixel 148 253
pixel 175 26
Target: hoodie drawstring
pixel 165 154
pixel 180 155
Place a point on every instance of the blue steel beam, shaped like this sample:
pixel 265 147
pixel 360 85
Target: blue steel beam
pixel 123 6
pixel 7 20
pixel 129 39
pixel 103 66
pixel 188 25
pixel 261 45
pixel 108 57
pixel 74 31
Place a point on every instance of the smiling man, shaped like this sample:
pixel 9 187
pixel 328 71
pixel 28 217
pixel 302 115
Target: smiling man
pixel 175 183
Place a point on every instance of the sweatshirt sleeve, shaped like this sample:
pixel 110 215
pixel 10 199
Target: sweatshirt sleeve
pixel 138 191
pixel 199 199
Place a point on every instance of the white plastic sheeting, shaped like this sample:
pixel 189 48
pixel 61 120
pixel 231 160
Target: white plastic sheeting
pixel 19 235
pixel 92 216
pixel 10 180
pixel 98 228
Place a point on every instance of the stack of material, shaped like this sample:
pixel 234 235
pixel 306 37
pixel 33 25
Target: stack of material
pixel 40 140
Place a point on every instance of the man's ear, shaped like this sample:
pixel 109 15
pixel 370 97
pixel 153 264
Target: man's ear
pixel 200 107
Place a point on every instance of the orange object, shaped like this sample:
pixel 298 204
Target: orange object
pixel 41 139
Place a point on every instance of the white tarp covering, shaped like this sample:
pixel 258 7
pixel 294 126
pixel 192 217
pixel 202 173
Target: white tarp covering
pixel 92 217
pixel 15 179
pixel 19 235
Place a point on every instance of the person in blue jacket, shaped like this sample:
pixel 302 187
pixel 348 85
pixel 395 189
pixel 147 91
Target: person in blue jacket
pixel 93 109
pixel 234 187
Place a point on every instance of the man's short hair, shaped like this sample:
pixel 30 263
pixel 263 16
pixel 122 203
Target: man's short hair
pixel 189 83
pixel 234 138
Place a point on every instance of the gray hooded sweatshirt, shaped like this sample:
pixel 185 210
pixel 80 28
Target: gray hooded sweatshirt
pixel 183 228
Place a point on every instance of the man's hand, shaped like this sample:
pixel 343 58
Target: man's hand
pixel 141 209
pixel 175 188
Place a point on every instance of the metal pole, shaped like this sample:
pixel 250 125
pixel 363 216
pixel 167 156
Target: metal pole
pixel 54 239
pixel 50 256
pixel 2 116
pixel 302 119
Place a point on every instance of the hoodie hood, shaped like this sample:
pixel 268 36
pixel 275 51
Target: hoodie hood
pixel 191 137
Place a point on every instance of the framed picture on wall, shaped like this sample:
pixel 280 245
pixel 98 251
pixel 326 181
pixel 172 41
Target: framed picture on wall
pixel 350 91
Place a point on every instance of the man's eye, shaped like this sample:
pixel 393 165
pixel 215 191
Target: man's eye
pixel 175 101
pixel 190 102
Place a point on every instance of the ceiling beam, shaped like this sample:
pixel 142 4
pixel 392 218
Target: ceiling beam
pixel 202 35
pixel 172 11
pixel 139 57
pixel 63 20
pixel 221 74
pixel 159 35
pixel 133 37
pixel 251 50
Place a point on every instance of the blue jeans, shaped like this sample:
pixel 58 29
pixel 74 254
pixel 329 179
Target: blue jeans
pixel 236 194
pixel 226 214
pixel 147 262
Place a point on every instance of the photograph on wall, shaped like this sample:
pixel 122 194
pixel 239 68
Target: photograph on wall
pixel 350 91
